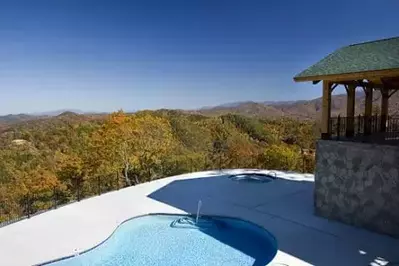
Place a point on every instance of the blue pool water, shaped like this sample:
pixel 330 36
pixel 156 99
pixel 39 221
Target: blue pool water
pixel 178 240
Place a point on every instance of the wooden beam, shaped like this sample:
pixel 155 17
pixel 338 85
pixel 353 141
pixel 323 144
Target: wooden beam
pixel 350 110
pixel 326 111
pixel 367 84
pixel 384 109
pixel 358 83
pixel 393 92
pixel 392 82
pixel 346 88
pixel 369 75
pixel 368 110
pixel 376 81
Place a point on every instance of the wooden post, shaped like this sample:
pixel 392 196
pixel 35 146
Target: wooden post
pixel 326 111
pixel 384 109
pixel 350 110
pixel 368 110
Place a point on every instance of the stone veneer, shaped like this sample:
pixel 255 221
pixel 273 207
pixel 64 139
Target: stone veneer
pixel 358 184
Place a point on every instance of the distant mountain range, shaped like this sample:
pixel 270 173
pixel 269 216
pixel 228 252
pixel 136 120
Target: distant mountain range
pixel 237 104
pixel 58 112
pixel 15 118
pixel 302 109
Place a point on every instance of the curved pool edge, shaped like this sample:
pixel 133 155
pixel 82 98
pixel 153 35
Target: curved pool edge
pixel 166 214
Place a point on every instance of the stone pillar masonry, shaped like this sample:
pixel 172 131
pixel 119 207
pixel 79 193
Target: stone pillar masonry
pixel 358 184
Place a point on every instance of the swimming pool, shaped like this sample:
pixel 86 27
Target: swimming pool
pixel 180 240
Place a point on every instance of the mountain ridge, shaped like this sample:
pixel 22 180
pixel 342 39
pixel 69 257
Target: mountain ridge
pixel 300 109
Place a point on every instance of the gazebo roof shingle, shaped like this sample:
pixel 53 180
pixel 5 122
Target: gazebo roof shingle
pixel 356 58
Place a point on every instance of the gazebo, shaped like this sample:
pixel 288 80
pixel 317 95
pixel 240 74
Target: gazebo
pixel 357 158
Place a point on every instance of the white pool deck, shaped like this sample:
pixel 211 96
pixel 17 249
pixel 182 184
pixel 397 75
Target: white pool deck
pixel 284 207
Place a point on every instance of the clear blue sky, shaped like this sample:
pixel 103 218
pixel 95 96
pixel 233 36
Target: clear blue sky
pixel 97 55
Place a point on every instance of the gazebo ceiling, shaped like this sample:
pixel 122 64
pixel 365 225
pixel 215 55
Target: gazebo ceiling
pixel 376 61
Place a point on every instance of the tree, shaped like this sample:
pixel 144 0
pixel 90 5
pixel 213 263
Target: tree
pixel 220 134
pixel 71 170
pixel 240 151
pixel 135 143
pixel 115 143
pixel 154 139
pixel 281 157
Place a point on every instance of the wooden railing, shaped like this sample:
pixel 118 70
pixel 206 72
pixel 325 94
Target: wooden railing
pixel 366 129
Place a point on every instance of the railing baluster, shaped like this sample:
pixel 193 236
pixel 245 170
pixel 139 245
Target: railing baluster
pixel 365 126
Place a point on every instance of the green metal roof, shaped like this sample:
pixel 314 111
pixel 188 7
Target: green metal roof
pixel 367 56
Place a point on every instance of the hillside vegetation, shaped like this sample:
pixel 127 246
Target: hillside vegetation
pixel 47 162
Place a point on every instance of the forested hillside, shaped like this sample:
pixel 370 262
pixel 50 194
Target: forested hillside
pixel 47 162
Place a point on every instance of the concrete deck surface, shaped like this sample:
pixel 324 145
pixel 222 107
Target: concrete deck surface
pixel 284 207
